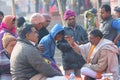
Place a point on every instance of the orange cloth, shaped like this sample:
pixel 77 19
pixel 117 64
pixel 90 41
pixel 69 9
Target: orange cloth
pixel 90 53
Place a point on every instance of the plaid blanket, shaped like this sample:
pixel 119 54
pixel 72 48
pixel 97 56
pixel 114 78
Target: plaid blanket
pixel 4 66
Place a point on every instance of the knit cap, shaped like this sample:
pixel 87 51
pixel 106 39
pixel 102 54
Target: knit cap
pixel 69 13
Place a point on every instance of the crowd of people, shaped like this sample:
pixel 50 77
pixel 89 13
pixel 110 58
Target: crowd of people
pixel 27 49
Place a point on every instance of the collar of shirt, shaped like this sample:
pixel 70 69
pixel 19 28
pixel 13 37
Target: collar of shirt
pixel 32 42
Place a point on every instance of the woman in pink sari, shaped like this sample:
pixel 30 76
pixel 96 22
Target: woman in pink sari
pixel 7 26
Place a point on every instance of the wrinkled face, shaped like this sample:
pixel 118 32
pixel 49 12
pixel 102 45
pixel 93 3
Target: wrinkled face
pixel 10 47
pixel 104 14
pixel 33 35
pixel 71 21
pixel 38 26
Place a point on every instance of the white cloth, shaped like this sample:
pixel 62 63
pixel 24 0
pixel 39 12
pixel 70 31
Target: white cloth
pixel 89 72
pixel 57 78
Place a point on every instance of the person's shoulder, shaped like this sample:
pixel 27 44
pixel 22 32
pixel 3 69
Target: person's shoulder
pixel 80 26
pixel 46 39
pixel 2 51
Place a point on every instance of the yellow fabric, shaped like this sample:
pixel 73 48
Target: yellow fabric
pixel 90 53
pixel 47 61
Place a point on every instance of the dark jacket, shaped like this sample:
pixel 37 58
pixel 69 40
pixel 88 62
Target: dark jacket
pixel 71 60
pixel 26 61
pixel 42 32
pixel 106 26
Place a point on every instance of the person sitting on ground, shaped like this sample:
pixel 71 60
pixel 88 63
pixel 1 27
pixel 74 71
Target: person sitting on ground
pixel 100 55
pixel 9 42
pixel 26 60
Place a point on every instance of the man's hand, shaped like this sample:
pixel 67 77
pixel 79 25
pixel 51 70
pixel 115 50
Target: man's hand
pixel 41 47
pixel 70 41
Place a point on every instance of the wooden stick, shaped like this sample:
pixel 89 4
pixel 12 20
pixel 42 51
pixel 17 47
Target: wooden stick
pixel 61 12
pixel 13 8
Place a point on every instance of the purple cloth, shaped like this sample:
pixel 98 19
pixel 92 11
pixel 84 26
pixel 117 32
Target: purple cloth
pixel 53 64
pixel 68 13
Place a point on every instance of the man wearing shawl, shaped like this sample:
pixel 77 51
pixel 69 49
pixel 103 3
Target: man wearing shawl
pixel 100 55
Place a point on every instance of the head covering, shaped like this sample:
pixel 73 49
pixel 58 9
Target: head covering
pixel 7 38
pixel 6 22
pixel 37 18
pixel 93 10
pixel 8 19
pixel 88 13
pixel 117 9
pixel 69 13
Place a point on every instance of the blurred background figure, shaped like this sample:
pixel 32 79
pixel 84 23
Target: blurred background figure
pixel 46 6
pixel 20 21
pixel 72 4
pixel 47 19
pixel 9 42
pixel 1 16
pixel 90 19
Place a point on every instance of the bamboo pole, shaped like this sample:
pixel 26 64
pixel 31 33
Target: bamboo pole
pixel 98 5
pixel 60 12
pixel 13 8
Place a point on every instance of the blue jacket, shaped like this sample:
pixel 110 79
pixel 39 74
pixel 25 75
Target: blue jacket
pixel 49 44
